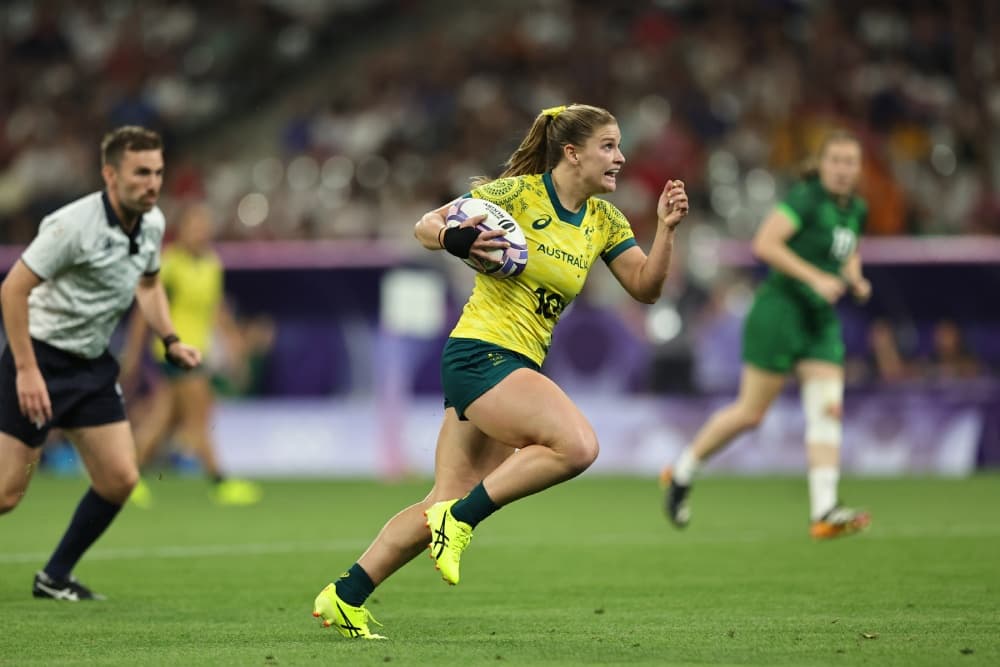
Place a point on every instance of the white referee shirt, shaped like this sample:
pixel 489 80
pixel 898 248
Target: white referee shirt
pixel 90 268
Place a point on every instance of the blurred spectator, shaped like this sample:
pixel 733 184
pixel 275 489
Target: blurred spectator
pixel 883 362
pixel 950 358
pixel 888 362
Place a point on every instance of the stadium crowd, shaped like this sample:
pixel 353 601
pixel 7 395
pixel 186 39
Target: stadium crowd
pixel 730 95
pixel 72 71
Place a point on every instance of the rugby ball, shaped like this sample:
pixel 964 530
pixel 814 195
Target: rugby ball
pixel 503 263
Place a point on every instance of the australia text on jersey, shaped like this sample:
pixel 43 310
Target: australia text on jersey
pixel 579 261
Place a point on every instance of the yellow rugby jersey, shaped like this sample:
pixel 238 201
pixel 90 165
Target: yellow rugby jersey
pixel 194 287
pixel 520 313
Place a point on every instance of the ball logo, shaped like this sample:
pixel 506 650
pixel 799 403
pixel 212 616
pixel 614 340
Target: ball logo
pixel 503 262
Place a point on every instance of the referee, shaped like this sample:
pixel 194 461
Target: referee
pixel 61 301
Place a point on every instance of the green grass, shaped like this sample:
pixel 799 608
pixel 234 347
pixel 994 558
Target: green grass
pixel 586 573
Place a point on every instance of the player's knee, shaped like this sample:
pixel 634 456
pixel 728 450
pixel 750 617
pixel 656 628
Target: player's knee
pixel 750 417
pixel 189 432
pixel 583 452
pixel 8 503
pixel 823 408
pixel 9 500
pixel 754 418
pixel 128 480
pixel 117 487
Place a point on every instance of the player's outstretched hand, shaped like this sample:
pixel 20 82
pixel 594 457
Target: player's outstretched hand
pixel 673 204
pixel 183 356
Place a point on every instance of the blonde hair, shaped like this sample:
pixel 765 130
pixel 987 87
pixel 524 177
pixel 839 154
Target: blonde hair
pixel 810 166
pixel 542 148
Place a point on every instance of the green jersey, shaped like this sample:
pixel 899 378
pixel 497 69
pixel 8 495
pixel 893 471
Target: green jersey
pixel 826 233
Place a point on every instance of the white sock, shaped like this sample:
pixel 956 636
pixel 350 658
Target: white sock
pixel 686 467
pixel 822 491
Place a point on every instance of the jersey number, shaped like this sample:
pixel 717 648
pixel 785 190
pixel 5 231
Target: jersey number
pixel 550 304
pixel 843 243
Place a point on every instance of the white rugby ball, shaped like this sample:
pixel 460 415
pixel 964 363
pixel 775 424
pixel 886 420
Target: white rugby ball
pixel 503 263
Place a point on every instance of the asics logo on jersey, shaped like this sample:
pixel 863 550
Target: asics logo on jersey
pixel 542 223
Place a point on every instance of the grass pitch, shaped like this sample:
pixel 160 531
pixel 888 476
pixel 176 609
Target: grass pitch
pixel 587 573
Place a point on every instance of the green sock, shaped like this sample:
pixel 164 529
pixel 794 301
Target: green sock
pixel 474 507
pixel 354 586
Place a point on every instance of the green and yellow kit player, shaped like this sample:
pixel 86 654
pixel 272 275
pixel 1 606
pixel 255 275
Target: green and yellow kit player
pixel 182 403
pixel 496 400
pixel 810 242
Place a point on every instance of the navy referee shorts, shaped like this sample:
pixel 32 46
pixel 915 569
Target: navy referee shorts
pixel 83 392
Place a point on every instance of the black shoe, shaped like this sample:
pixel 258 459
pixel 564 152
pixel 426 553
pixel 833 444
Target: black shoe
pixel 676 502
pixel 68 589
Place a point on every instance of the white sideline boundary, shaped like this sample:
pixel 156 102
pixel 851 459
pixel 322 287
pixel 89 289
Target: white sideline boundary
pixel 652 539
pixel 197 551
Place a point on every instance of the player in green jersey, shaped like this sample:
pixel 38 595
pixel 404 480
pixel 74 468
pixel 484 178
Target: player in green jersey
pixel 508 430
pixel 810 243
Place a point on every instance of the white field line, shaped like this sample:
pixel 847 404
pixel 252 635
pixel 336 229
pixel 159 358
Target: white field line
pixel 198 551
pixel 667 539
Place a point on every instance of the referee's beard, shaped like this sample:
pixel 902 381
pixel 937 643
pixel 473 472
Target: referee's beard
pixel 134 210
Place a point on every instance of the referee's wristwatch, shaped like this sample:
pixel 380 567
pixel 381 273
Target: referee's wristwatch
pixel 169 340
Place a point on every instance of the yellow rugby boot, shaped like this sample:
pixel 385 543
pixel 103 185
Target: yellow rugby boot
pixel 352 622
pixel 142 495
pixel 237 492
pixel 449 538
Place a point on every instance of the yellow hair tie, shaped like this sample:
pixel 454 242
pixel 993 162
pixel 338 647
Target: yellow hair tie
pixel 552 112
